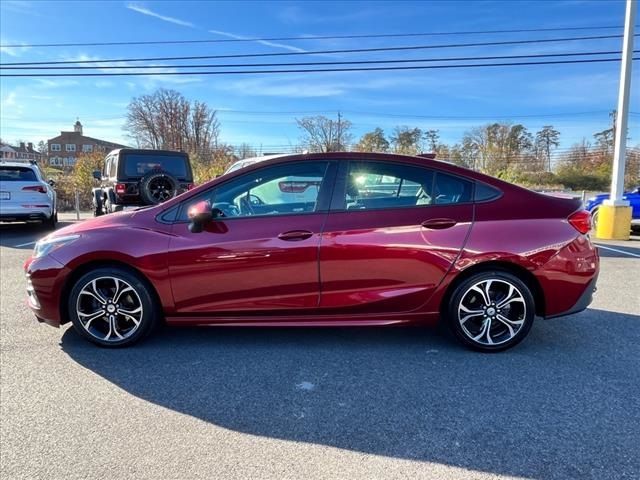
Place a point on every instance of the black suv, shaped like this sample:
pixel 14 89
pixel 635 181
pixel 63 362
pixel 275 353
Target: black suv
pixel 134 178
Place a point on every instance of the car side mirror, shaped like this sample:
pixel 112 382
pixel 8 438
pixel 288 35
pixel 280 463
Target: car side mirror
pixel 97 175
pixel 51 182
pixel 200 214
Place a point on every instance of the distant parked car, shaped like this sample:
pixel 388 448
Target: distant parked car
pixel 633 197
pixel 327 239
pixel 25 196
pixel 245 162
pixel 134 178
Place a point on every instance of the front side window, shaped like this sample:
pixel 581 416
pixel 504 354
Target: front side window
pixel 277 190
pixel 375 185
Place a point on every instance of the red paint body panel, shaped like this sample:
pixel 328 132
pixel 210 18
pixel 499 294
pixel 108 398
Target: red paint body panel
pixel 241 265
pixel 373 267
pixel 386 261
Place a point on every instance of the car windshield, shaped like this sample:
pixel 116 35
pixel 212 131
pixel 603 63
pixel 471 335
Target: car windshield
pixel 140 165
pixel 17 174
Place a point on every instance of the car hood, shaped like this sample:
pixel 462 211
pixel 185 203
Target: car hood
pixel 113 220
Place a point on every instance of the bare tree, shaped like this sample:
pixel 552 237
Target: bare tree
pixel 432 137
pixel 322 134
pixel 374 141
pixel 547 139
pixel 407 140
pixel 245 150
pixel 167 120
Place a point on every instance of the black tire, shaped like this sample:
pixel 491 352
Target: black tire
pixel 594 219
pixel 97 206
pixel 50 223
pixel 157 187
pixel 467 324
pixel 125 332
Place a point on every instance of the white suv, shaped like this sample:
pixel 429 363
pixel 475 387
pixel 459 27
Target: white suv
pixel 25 196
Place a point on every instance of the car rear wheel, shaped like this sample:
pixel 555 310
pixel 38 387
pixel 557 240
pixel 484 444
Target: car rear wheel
pixel 112 307
pixel 491 311
pixel 50 223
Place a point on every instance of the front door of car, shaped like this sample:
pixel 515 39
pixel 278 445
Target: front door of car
pixel 262 255
pixel 393 233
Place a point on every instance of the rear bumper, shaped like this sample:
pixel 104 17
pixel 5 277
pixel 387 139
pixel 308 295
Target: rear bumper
pixel 18 214
pixel 583 302
pixel 24 217
pixel 569 278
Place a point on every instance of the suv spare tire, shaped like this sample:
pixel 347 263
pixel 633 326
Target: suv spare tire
pixel 157 187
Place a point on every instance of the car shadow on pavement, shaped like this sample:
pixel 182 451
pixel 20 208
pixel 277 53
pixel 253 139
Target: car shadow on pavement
pixel 560 405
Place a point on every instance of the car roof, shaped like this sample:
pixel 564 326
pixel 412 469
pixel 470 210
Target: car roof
pixel 146 151
pixel 19 164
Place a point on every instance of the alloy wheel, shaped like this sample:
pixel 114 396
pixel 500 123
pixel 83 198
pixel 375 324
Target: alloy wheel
pixel 491 312
pixel 109 309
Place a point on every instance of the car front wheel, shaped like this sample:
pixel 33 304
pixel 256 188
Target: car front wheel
pixel 112 307
pixel 491 311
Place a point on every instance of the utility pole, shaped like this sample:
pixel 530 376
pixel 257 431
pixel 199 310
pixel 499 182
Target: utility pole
pixel 339 131
pixel 614 215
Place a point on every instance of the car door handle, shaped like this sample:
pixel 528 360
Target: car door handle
pixel 295 235
pixel 439 223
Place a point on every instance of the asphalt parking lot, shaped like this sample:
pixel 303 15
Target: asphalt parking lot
pixel 323 403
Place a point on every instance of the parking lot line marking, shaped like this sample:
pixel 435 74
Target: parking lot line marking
pixel 619 251
pixel 25 244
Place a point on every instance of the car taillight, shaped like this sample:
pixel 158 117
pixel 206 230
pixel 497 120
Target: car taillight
pixel 581 221
pixel 121 188
pixel 35 188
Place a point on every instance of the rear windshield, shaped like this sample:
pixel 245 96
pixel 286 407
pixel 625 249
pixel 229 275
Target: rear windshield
pixel 139 165
pixel 17 174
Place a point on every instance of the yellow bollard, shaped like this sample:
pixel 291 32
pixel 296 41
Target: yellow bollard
pixel 614 223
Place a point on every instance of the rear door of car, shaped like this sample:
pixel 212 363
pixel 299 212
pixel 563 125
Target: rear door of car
pixel 393 232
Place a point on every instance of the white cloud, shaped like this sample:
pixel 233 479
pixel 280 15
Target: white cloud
pixel 11 50
pixel 262 42
pixel 9 100
pixel 145 11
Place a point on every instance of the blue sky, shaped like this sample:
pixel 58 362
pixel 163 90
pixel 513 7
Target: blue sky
pixel 257 109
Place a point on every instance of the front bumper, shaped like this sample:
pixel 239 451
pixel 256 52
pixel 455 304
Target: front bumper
pixel 45 282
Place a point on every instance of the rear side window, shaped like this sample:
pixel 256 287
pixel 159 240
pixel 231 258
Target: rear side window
pixel 136 165
pixel 374 185
pixel 485 192
pixel 449 189
pixel 17 174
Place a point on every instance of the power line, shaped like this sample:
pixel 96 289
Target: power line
pixel 314 70
pixel 346 62
pixel 326 52
pixel 311 37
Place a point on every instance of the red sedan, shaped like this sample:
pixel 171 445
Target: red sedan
pixel 338 239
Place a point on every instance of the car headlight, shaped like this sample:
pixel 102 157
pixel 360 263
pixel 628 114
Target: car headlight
pixel 47 245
